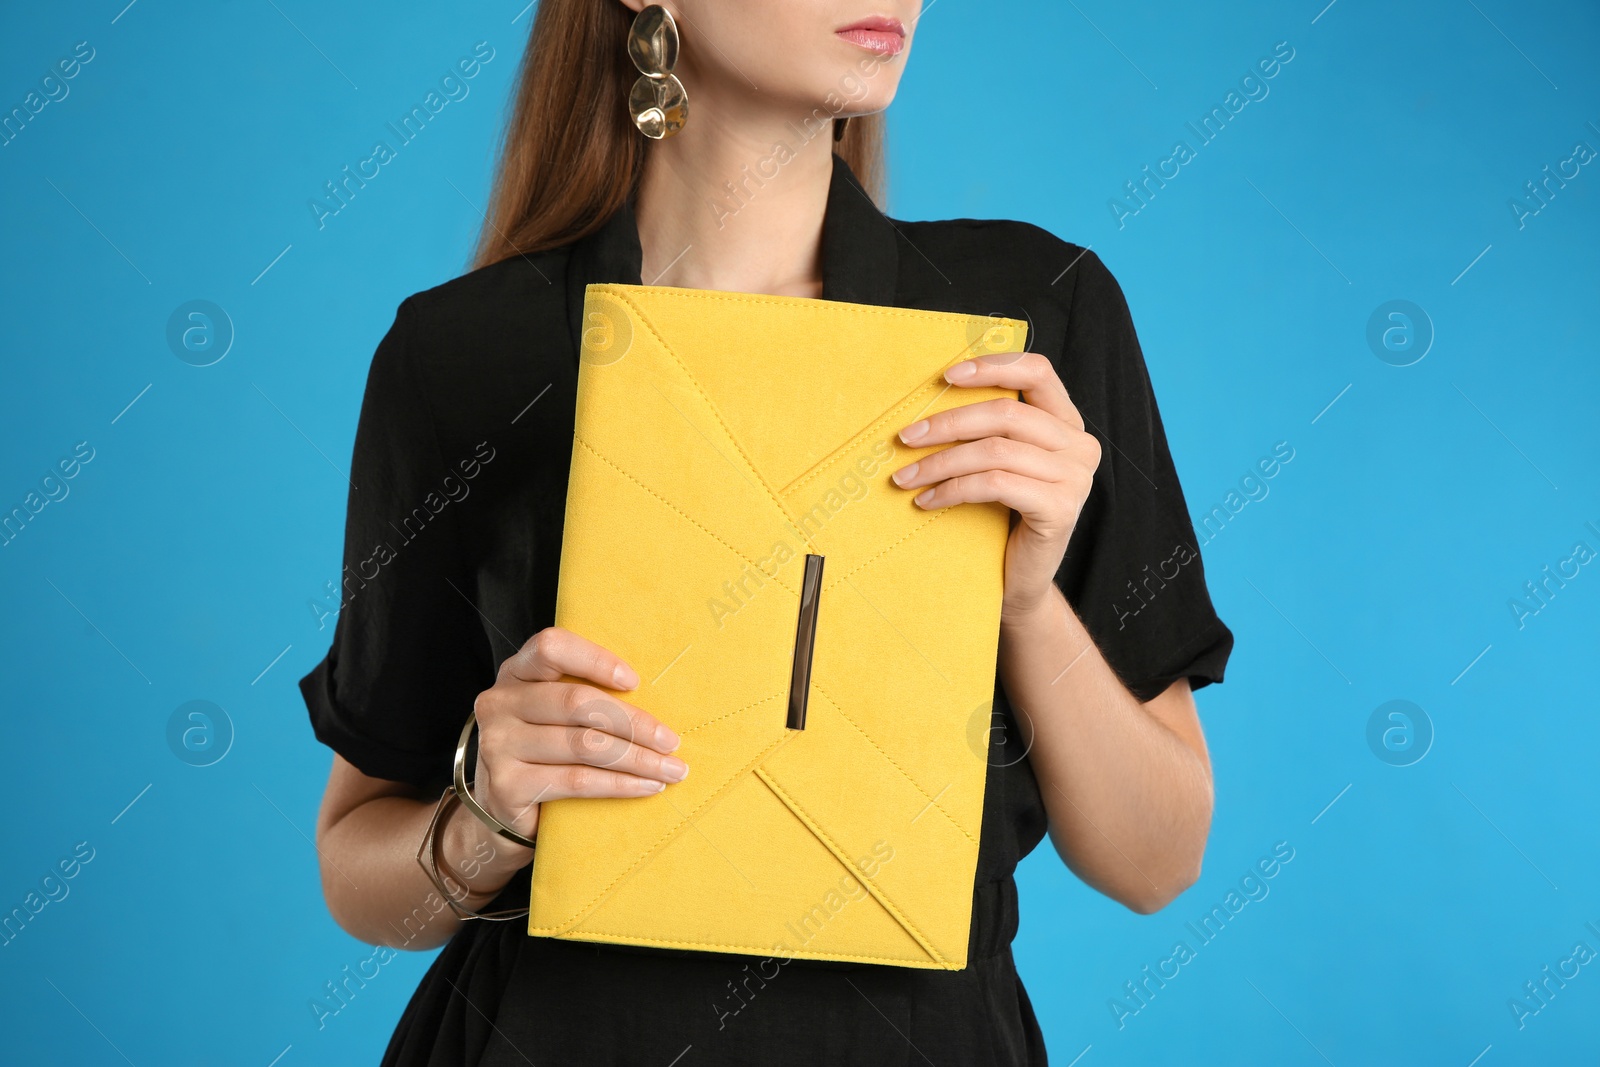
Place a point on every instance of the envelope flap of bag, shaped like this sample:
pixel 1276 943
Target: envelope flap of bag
pixel 838 365
pixel 719 439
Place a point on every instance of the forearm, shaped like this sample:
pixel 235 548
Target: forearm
pixel 378 892
pixel 1129 802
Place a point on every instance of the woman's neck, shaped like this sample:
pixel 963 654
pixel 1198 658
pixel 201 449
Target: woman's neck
pixel 736 210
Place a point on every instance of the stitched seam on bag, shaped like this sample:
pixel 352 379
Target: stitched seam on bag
pixel 680 512
pixel 661 842
pixel 716 414
pixel 833 846
pixel 729 714
pixel 935 517
pixel 753 949
pixel 830 306
pixel 933 801
pixel 827 462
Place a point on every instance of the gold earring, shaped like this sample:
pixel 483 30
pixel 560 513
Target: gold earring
pixel 657 102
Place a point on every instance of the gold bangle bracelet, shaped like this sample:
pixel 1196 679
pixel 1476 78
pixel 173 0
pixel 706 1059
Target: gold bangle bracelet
pixel 462 790
pixel 428 860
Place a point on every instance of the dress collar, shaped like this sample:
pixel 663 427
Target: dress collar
pixel 860 259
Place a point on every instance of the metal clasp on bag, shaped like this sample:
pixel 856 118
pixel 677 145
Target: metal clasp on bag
pixel 805 638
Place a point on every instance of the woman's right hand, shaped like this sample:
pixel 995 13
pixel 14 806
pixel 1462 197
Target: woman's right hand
pixel 544 738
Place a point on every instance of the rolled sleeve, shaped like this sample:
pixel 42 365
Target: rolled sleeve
pixel 408 654
pixel 1132 571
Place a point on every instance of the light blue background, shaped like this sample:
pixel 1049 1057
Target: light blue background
pixel 1379 566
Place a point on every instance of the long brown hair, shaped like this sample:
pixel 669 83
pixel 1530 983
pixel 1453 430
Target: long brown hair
pixel 570 156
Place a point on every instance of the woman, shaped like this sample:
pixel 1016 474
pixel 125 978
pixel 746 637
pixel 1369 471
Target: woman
pixel 455 523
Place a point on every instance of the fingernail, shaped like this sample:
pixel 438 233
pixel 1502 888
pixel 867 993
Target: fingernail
pixel 675 769
pixel 915 431
pixel 905 474
pixel 650 785
pixel 923 497
pixel 624 677
pixel 666 740
pixel 961 371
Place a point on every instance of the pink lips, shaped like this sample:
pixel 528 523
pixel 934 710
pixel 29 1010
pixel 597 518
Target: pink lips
pixel 884 36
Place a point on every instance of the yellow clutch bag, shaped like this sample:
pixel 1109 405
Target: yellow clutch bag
pixel 824 647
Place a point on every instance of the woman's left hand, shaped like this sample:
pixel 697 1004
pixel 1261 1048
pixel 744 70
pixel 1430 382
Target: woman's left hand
pixel 1033 457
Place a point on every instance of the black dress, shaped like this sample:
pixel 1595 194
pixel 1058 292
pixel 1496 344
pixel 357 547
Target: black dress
pixel 452 543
